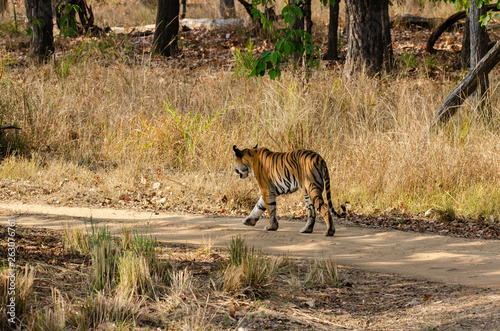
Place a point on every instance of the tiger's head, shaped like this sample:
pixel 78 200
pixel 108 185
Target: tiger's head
pixel 243 161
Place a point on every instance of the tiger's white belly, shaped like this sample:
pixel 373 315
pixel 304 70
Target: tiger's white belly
pixel 286 186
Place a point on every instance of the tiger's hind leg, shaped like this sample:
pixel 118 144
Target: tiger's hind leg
pixel 311 216
pixel 257 211
pixel 319 204
pixel 330 228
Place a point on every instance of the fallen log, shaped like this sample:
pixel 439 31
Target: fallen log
pixel 466 87
pixel 447 24
pixel 409 20
pixel 186 23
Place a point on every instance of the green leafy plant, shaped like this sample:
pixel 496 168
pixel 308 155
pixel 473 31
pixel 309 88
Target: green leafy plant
pixel 67 23
pixel 410 60
pixel 289 41
pixel 30 31
pixel 244 61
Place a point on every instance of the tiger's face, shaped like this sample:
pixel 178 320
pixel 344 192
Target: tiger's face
pixel 242 161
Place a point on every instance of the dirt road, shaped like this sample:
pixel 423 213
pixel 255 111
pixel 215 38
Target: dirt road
pixel 431 257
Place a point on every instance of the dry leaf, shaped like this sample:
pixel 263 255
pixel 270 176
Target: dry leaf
pixel 232 312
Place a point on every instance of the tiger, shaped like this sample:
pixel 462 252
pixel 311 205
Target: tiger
pixel 284 173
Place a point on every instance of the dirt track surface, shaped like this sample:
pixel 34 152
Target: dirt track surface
pixel 432 257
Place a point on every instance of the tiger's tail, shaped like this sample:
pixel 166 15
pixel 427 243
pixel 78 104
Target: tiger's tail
pixel 326 179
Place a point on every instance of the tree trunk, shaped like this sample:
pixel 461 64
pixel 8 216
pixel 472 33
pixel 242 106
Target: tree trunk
pixel 333 28
pixel 70 26
pixel 467 86
pixel 478 48
pixel 183 9
pixel 167 28
pixel 465 51
pixel 305 23
pixel 3 6
pixel 448 23
pixel 369 40
pixel 227 9
pixel 39 14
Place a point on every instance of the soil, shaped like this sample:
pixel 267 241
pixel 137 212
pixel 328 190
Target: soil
pixel 392 279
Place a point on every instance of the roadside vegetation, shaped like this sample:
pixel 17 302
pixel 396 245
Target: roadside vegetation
pixel 131 281
pixel 149 285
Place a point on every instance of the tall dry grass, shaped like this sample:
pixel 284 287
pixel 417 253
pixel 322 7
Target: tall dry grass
pixel 119 128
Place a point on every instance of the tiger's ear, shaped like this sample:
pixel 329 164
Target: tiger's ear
pixel 237 152
pixel 256 146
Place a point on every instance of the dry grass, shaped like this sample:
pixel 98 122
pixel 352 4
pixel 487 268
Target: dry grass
pixel 17 284
pixel 420 8
pixel 323 273
pixel 75 240
pixel 248 271
pixel 99 130
pixel 121 137
pixel 135 277
pixel 50 319
pixel 181 284
pixel 368 301
pixel 100 310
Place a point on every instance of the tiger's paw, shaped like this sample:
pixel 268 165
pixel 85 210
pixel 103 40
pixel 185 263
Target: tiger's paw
pixel 329 233
pixel 306 230
pixel 249 221
pixel 273 228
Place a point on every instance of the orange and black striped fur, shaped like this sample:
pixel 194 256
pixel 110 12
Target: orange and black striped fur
pixel 284 173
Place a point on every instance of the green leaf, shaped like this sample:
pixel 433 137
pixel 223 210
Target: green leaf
pixel 287 48
pixel 274 58
pixel 273 73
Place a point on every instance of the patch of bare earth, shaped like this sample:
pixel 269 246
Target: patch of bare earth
pixel 366 300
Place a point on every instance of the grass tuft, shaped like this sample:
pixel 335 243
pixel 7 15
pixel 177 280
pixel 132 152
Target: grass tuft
pixel 322 273
pixel 75 240
pixel 99 309
pixel 247 271
pixel 50 319
pixel 23 287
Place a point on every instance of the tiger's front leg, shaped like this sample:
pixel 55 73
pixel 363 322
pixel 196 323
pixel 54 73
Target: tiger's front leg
pixel 270 201
pixel 257 211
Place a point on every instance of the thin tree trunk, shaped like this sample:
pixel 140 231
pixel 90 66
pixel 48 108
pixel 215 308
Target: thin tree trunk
pixel 305 23
pixel 3 6
pixel 465 51
pixel 478 47
pixel 333 28
pixel 167 28
pixel 39 14
pixel 467 86
pixel 183 9
pixel 85 15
